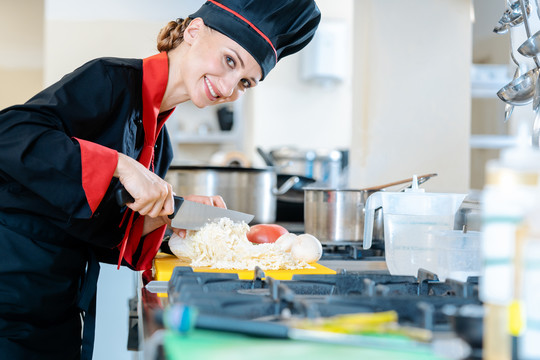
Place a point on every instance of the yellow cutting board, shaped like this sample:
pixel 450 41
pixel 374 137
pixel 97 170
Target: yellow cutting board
pixel 164 265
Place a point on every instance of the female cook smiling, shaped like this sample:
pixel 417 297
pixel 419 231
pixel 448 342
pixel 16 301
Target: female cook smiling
pixel 67 150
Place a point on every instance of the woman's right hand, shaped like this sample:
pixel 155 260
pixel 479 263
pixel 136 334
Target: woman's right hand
pixel 153 195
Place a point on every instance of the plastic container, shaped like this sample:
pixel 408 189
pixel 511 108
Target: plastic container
pixel 458 254
pixel 411 220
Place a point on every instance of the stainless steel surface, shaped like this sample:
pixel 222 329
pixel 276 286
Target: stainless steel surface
pixel 247 190
pixel 334 215
pixel 193 215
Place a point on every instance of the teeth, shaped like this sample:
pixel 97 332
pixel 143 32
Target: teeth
pixel 210 87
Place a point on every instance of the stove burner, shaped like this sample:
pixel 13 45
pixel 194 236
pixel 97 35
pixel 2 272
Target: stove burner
pixel 417 300
pixel 351 251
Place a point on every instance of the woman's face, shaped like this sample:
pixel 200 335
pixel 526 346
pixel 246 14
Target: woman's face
pixel 215 69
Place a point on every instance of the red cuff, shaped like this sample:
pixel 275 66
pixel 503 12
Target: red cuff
pixel 98 164
pixel 150 247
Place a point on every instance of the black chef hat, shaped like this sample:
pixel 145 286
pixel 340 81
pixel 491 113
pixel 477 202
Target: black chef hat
pixel 267 29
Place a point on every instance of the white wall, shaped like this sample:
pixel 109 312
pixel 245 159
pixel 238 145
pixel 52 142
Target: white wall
pixel 21 50
pixel 411 105
pixel 285 110
pixel 405 108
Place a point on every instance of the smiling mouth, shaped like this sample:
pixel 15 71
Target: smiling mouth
pixel 210 88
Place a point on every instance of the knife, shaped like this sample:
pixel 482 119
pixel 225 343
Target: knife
pixel 191 215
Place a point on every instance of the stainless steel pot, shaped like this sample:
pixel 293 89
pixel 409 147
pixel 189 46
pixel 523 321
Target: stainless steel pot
pixel 326 166
pixel 333 215
pixel 249 190
pixel 337 215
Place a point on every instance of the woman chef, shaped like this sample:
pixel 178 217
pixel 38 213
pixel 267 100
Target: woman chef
pixel 65 152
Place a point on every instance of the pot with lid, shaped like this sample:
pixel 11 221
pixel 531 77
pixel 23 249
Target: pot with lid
pixel 326 166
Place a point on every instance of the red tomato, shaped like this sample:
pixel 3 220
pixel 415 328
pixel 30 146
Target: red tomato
pixel 265 233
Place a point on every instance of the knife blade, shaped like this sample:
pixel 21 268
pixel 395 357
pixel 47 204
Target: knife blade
pixel 191 215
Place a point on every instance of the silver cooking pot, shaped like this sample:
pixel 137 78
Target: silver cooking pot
pixel 337 215
pixel 248 190
pixel 326 166
pixel 333 215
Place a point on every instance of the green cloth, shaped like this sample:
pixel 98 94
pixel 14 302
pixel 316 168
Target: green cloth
pixel 209 345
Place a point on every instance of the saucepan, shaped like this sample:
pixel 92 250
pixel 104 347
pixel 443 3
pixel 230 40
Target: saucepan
pixel 337 215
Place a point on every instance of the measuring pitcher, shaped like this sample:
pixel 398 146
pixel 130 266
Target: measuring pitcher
pixel 411 219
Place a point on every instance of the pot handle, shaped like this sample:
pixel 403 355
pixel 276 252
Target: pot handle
pixel 421 179
pixel 373 202
pixel 286 186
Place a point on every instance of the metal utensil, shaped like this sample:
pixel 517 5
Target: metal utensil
pixel 266 157
pixel 531 46
pixel 520 91
pixel 512 16
pixel 536 98
pixel 191 215
pixel 536 130
pixel 508 108
pixel 528 32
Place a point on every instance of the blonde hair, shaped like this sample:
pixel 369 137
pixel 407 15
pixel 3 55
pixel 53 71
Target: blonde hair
pixel 172 34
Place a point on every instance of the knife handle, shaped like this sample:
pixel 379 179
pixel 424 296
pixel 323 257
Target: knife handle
pixel 123 197
pixel 178 201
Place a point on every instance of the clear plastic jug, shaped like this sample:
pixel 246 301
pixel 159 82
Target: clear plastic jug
pixel 411 220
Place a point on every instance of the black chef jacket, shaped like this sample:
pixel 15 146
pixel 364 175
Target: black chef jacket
pixel 58 216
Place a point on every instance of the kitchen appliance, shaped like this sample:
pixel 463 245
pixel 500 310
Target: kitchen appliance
pixel 411 219
pixel 418 301
pixel 190 214
pixel 248 190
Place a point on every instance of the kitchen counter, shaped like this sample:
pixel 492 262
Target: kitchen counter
pixel 155 342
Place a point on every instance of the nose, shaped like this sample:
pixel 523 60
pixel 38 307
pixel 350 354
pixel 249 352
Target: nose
pixel 228 85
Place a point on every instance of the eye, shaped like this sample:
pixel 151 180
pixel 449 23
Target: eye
pixel 245 83
pixel 229 60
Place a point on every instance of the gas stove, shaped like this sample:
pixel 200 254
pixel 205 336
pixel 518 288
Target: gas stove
pixel 420 302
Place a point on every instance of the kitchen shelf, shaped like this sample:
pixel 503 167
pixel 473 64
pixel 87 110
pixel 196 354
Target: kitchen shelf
pixel 491 141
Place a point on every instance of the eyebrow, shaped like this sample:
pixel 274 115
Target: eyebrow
pixel 242 64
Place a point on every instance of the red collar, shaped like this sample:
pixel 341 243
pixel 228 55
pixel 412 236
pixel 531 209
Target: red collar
pixel 155 76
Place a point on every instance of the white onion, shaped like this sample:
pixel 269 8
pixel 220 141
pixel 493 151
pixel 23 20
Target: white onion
pixel 286 241
pixel 307 248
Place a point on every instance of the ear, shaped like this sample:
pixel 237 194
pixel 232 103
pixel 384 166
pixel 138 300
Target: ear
pixel 194 29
